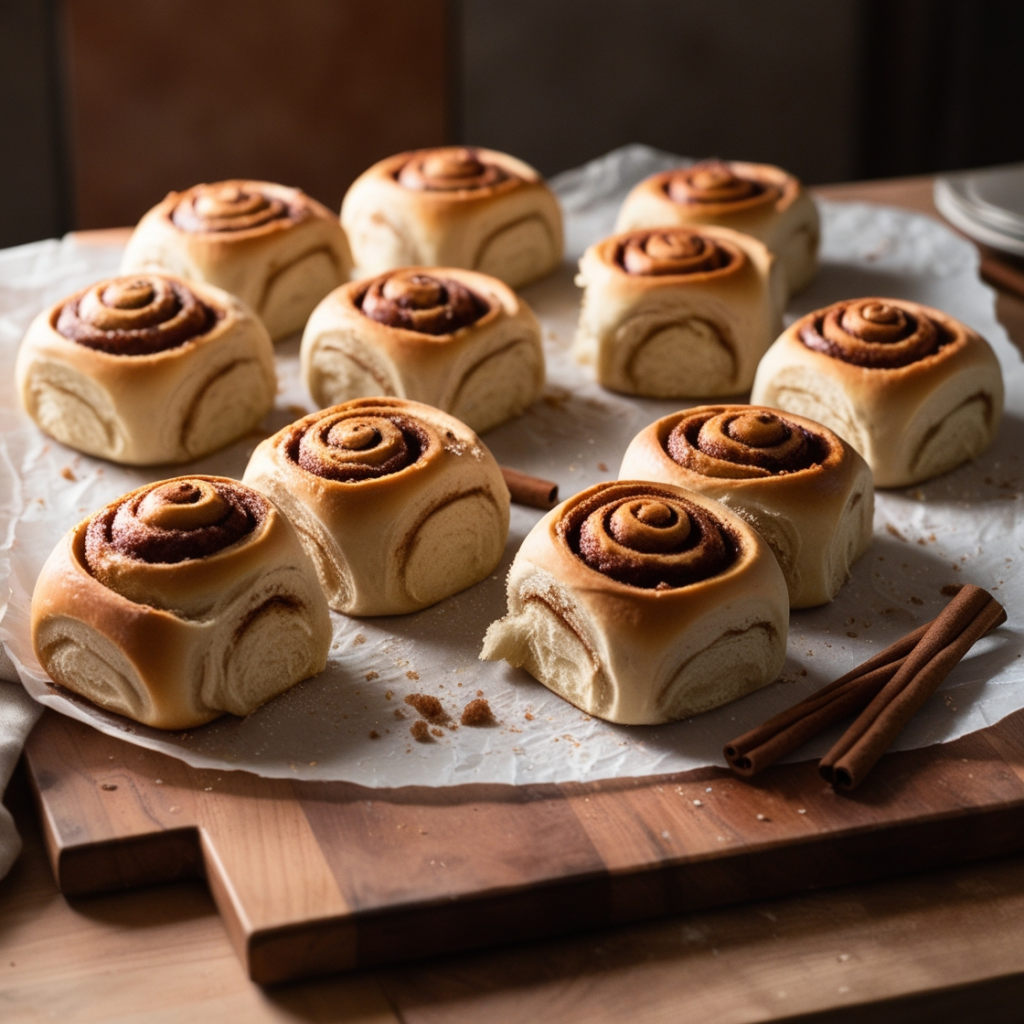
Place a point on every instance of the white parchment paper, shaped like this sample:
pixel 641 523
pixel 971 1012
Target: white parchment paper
pixel 350 723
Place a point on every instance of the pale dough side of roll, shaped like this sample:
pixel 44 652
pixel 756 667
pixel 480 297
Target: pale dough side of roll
pixel 514 234
pixel 266 627
pixel 142 410
pixel 281 271
pixel 483 374
pixel 635 656
pixel 679 335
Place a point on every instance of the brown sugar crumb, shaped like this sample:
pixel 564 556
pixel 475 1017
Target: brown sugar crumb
pixel 479 693
pixel 68 473
pixel 399 713
pixel 374 735
pixel 895 532
pixel 477 713
pixel 602 467
pixel 429 707
pixel 436 732
pixel 412 675
pixel 420 731
pixel 951 589
pixel 358 639
pixel 371 675
pixel 529 716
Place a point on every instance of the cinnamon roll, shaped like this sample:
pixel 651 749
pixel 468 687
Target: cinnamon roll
pixel 915 391
pixel 458 340
pixel 181 601
pixel 678 313
pixel 275 248
pixel 454 207
pixel 399 504
pixel 757 199
pixel 147 369
pixel 643 603
pixel 805 490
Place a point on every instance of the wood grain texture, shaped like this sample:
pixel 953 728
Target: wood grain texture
pixel 314 877
pixel 169 93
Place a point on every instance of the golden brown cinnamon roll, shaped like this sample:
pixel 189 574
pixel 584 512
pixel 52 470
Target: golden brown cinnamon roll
pixel 454 207
pixel 146 369
pixel 678 313
pixel 399 504
pixel 454 339
pixel 643 603
pixel 275 248
pixel 757 199
pixel 915 391
pixel 180 601
pixel 805 490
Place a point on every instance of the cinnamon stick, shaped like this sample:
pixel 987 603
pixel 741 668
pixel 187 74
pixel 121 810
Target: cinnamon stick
pixel 964 621
pixel 530 490
pixel 763 746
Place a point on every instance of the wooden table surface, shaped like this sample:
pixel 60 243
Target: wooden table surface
pixel 943 946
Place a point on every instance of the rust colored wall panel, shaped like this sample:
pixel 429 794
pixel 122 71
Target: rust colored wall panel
pixel 168 93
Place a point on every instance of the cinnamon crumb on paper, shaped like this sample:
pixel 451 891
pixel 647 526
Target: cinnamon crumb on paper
pixel 428 706
pixel 477 713
pixel 420 731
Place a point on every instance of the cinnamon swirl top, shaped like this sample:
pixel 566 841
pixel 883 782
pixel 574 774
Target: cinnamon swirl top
pixel 716 183
pixel 230 206
pixel 359 441
pixel 170 522
pixel 451 169
pixel 674 251
pixel 135 315
pixel 875 333
pixel 417 301
pixel 744 441
pixel 646 536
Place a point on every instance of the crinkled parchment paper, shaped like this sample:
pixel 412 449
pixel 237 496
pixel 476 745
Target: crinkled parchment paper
pixel 964 527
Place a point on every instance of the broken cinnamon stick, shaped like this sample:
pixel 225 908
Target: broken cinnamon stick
pixel 763 746
pixel 530 490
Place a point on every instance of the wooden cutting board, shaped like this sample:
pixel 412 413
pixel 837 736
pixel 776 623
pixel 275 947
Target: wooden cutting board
pixel 314 877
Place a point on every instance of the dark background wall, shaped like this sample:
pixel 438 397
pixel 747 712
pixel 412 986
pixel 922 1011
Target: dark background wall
pixel 105 105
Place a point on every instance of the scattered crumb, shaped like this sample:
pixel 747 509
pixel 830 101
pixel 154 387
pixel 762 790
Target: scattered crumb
pixel 313 764
pixel 358 639
pixel 763 817
pixel 895 532
pixel 479 693
pixel 916 600
pixel 374 735
pixel 420 731
pixel 371 675
pixel 388 694
pixel 412 675
pixel 477 713
pixel 698 803
pixel 429 707
pixel 437 732
pixel 851 634
pixel 68 473
pixel 109 786
pixel 602 467
pixel 528 716
pixel 399 713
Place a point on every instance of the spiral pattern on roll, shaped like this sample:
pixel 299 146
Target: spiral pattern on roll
pixel 716 183
pixel 171 521
pixel 876 333
pixel 647 537
pixel 674 251
pixel 135 315
pixel 415 301
pixel 233 206
pixel 742 442
pixel 351 444
pixel 450 170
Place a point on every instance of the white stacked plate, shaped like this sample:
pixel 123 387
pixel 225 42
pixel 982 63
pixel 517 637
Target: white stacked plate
pixel 987 205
